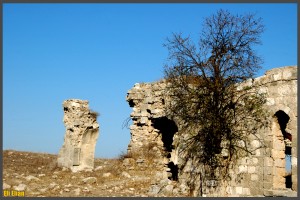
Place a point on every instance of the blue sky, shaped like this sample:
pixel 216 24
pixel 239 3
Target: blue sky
pixel 97 52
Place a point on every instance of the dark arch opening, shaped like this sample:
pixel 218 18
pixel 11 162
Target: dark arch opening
pixel 174 171
pixel 283 119
pixel 131 103
pixel 167 128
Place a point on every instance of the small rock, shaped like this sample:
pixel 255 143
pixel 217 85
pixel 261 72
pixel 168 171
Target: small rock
pixel 30 178
pixel 88 170
pixel 90 180
pixel 159 175
pixel 41 175
pixel 77 191
pixel 56 172
pixel 43 190
pixel 168 189
pixel 66 190
pixel 139 160
pixel 98 168
pixel 54 176
pixel 116 188
pixel 64 169
pixel 128 161
pixel 20 187
pixel 6 186
pixel 52 185
pixel 132 189
pixel 125 174
pixel 57 187
pixel 10 153
pixel 85 190
pixel 69 185
pixel 176 191
pixel 154 190
pixel 165 182
pixel 73 177
pixel 106 174
pixel 184 188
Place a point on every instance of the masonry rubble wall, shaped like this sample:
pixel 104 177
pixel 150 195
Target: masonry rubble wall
pixel 262 174
pixel 82 131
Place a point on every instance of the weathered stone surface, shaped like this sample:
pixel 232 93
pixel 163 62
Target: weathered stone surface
pixel 154 190
pixel 30 178
pixel 89 180
pixel 108 174
pixel 150 120
pixel 82 130
pixel 20 187
pixel 126 175
pixel 6 186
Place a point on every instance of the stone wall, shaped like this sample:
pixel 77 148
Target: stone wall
pixel 262 174
pixel 82 130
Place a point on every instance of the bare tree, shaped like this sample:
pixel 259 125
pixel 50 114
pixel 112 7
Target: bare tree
pixel 204 81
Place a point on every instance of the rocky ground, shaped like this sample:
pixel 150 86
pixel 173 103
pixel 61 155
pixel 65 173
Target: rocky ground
pixel 38 175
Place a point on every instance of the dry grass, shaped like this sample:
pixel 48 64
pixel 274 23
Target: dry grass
pixel 18 165
pixel 145 152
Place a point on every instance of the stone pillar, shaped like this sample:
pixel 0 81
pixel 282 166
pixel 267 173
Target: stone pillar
pixel 82 130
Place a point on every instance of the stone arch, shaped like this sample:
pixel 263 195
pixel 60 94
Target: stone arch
pixel 167 128
pixel 282 151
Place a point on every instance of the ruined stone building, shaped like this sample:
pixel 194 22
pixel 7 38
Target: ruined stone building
pixel 82 130
pixel 268 172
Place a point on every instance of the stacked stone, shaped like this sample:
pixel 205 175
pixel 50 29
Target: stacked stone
pixel 261 174
pixel 147 101
pixel 82 130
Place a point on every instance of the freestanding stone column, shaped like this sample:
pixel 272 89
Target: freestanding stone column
pixel 82 130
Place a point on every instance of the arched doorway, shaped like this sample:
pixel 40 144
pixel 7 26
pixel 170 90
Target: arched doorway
pixel 167 128
pixel 286 138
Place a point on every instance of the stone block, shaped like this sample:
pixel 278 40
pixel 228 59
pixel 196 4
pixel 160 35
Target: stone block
pixel 257 152
pixel 256 191
pixel 255 143
pixel 268 161
pixel 254 177
pixel 246 191
pixel 279 162
pixel 239 190
pixel 243 169
pixel 278 171
pixel 251 169
pixel 255 160
pixel 294 161
pixel 270 101
pixel 267 178
pixel 279 144
pixel 278 154
pixel 268 193
pixel 229 190
pixel 287 74
pixel 268 170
